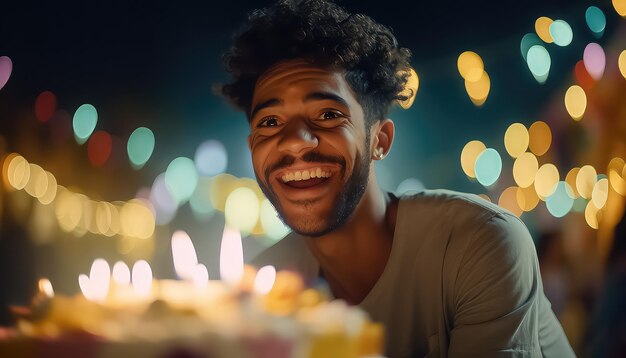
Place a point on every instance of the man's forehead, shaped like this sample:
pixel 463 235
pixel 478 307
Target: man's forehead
pixel 286 74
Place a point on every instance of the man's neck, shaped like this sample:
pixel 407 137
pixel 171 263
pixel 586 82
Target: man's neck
pixel 353 257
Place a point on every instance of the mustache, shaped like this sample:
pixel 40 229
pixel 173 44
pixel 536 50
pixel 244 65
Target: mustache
pixel 309 157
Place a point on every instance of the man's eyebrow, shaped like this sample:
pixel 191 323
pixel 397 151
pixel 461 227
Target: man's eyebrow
pixel 326 95
pixel 269 103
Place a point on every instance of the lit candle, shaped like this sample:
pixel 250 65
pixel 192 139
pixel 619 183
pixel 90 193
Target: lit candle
pixel 45 288
pixel 142 279
pixel 264 280
pixel 95 287
pixel 184 255
pixel 231 257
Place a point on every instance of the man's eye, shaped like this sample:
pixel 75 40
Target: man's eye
pixel 330 115
pixel 268 122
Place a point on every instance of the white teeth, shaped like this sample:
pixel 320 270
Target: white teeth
pixel 305 175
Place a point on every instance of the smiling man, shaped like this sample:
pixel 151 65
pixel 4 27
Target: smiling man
pixel 448 273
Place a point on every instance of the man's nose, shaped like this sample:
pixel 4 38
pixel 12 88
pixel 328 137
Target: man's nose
pixel 297 137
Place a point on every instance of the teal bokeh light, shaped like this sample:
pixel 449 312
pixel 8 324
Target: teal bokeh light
pixel 529 40
pixel 181 179
pixel 561 32
pixel 561 201
pixel 595 20
pixel 140 146
pixel 200 201
pixel 488 167
pixel 539 62
pixel 84 123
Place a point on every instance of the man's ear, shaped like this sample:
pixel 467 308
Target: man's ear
pixel 383 139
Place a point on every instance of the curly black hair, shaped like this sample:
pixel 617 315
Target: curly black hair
pixel 324 34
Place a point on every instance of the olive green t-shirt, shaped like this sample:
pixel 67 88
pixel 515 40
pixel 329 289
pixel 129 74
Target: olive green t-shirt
pixel 462 279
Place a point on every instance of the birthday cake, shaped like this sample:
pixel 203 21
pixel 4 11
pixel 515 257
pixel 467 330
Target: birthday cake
pixel 262 314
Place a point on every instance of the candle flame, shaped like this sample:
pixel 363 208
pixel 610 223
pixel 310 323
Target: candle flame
pixel 231 256
pixel 45 287
pixel 121 273
pixel 184 255
pixel 95 287
pixel 264 280
pixel 200 276
pixel 142 278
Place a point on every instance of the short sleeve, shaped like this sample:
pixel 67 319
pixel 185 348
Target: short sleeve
pixel 498 293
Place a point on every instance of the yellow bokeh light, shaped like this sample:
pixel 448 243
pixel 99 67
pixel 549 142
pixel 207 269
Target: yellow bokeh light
pixel 527 198
pixel 616 167
pixel 508 200
pixel 5 171
pixel 18 172
pixel 620 7
pixel 586 180
pixel 478 91
pixel 242 209
pixel 592 215
pixel 51 190
pixel 470 152
pixel 221 186
pixel 524 169
pixel 600 193
pixel 621 62
pixel 471 66
pixel 116 224
pixel 516 139
pixel 68 209
pixel 570 179
pixel 38 181
pixel 540 138
pixel 103 217
pixel 410 89
pixel 542 28
pixel 575 102
pixel 136 219
pixel 546 180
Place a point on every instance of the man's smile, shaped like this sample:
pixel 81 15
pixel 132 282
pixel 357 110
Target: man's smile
pixel 306 182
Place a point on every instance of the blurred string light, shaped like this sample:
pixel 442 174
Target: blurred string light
pixel 45 106
pixel 586 180
pixel 583 77
pixel 477 82
pixel 410 89
pixel 273 226
pixel 242 209
pixel 527 198
pixel 570 179
pixel 561 201
pixel 529 40
pixel 76 212
pixel 410 186
pixel 508 200
pixel 539 62
pixel 539 138
pixel 621 62
pixel 516 139
pixel 470 152
pixel 546 180
pixel 595 20
pixel 600 193
pixel 200 201
pixel 99 148
pixel 164 203
pixel 140 147
pixel 617 175
pixel 542 28
pixel 594 60
pixel 181 179
pixel 525 169
pixel 575 102
pixel 620 7
pixel 488 167
pixel 211 158
pixel 84 123
pixel 592 215
pixel 561 33
pixel 6 67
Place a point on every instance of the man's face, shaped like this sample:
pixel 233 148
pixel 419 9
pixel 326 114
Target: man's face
pixel 310 146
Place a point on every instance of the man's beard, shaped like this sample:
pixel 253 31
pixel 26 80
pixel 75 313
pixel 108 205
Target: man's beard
pixel 349 195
